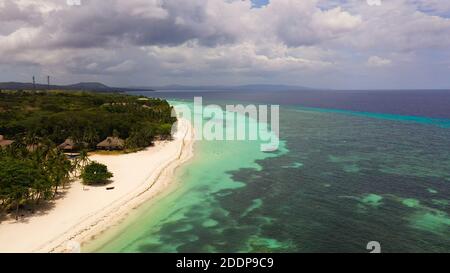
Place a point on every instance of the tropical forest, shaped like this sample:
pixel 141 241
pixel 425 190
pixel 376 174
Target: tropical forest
pixel 45 138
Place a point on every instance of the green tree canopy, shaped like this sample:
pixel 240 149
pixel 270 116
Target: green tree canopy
pixel 95 173
pixel 18 179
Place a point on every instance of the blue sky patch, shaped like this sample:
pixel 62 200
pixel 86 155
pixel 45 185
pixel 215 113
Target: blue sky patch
pixel 259 3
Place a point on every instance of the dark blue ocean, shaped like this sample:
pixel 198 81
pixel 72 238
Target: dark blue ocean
pixel 424 103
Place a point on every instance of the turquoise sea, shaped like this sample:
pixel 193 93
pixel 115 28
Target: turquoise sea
pixel 341 178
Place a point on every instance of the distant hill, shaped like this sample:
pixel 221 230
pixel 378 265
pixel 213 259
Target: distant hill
pixel 249 87
pixel 84 86
pixel 89 85
pixel 100 87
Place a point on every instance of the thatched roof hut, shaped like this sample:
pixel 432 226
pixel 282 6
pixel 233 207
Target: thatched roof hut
pixel 5 142
pixel 70 145
pixel 111 143
pixel 67 145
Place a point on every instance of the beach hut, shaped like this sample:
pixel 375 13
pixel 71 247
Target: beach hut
pixel 5 142
pixel 67 145
pixel 111 143
pixel 70 145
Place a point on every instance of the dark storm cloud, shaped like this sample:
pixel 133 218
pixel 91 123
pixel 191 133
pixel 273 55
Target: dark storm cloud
pixel 101 23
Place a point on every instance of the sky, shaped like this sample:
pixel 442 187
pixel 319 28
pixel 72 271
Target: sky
pixel 338 44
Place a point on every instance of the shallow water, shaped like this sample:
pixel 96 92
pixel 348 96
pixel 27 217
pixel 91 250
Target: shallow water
pixel 340 180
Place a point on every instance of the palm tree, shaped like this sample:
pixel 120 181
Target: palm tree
pixel 31 138
pixel 90 136
pixel 58 168
pixel 83 159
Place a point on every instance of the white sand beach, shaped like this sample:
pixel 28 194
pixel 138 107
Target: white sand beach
pixel 84 211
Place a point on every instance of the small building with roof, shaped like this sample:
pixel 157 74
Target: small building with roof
pixel 5 142
pixel 111 143
pixel 70 145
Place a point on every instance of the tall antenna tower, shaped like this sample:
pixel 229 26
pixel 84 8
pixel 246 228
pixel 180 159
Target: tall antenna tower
pixel 34 83
pixel 48 82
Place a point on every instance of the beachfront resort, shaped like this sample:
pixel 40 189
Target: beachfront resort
pixel 68 156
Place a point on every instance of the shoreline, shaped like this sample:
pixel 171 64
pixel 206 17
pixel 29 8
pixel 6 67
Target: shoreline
pixel 88 210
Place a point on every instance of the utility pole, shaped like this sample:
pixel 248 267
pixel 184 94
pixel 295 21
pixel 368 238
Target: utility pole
pixel 34 84
pixel 48 82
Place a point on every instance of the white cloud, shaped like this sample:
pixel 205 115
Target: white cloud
pixel 375 61
pixel 243 58
pixel 300 23
pixel 374 2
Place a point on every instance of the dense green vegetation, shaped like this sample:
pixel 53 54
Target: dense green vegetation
pixel 33 168
pixel 26 178
pixel 95 173
pixel 84 117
